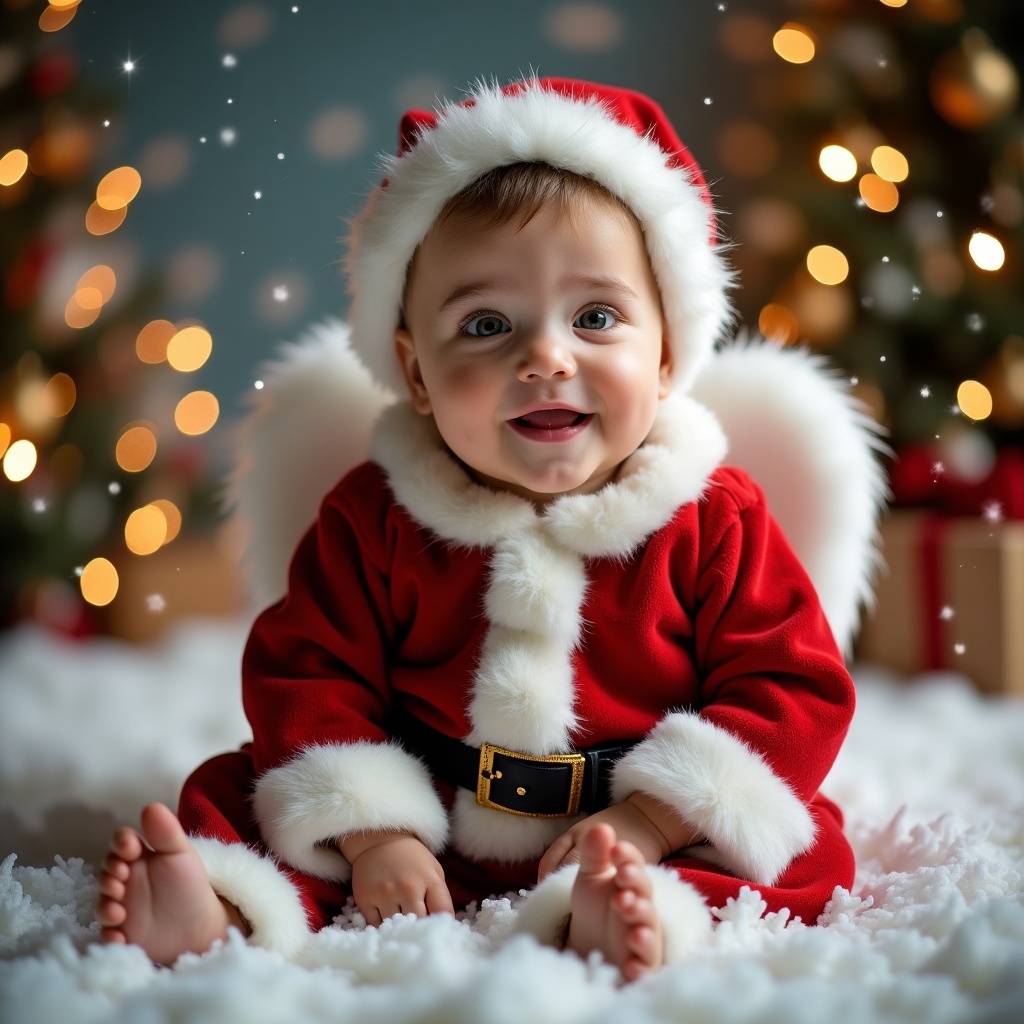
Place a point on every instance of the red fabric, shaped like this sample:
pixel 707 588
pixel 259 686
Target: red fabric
pixel 713 614
pixel 632 109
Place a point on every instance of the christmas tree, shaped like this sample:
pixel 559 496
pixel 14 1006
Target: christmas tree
pixel 881 216
pixel 96 475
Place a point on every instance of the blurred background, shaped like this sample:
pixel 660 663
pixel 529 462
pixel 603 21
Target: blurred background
pixel 175 180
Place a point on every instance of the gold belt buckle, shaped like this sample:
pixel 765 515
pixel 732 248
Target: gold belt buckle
pixel 487 773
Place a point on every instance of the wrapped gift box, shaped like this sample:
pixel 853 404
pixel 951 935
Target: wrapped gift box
pixel 951 597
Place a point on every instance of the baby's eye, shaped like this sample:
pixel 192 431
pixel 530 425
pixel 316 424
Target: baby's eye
pixel 487 325
pixel 594 319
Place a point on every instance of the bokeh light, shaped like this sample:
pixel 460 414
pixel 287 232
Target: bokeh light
pixel 151 342
pixel 584 28
pixel 100 279
pixel 974 399
pixel 78 316
pixel 878 194
pixel 196 413
pixel 794 43
pixel 20 460
pixel 145 530
pixel 172 517
pixel 827 264
pixel 99 582
pixel 136 448
pixel 890 163
pixel 118 188
pixel 778 323
pixel 101 222
pixel 986 251
pixel 13 165
pixel 60 394
pixel 56 16
pixel 189 349
pixel 837 163
pixel 5 437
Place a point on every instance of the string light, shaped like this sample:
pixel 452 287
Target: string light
pixel 99 582
pixel 189 349
pixel 986 251
pixel 837 163
pixel 196 413
pixel 145 530
pixel 13 166
pixel 136 448
pixel 794 43
pixel 827 265
pixel 20 460
pixel 878 194
pixel 974 400
pixel 890 164
pixel 118 188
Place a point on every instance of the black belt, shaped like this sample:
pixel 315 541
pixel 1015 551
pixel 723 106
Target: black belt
pixel 554 786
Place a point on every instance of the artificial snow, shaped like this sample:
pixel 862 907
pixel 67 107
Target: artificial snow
pixel 931 780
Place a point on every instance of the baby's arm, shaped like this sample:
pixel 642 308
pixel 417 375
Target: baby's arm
pixel 654 828
pixel 394 873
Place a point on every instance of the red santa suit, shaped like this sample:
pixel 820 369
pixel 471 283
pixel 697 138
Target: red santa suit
pixel 666 608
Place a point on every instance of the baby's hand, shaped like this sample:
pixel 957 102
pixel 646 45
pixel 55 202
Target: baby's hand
pixel 394 873
pixel 650 826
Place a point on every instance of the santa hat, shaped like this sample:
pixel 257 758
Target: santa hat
pixel 619 138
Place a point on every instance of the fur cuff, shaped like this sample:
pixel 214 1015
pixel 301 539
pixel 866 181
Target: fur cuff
pixel 262 894
pixel 684 916
pixel 333 790
pixel 724 788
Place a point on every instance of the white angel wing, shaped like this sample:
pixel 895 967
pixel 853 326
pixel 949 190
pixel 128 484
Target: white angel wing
pixel 794 427
pixel 311 424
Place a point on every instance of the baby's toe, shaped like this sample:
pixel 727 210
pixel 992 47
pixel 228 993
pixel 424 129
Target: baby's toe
pixel 645 953
pixel 110 913
pixel 112 887
pixel 117 868
pixel 126 844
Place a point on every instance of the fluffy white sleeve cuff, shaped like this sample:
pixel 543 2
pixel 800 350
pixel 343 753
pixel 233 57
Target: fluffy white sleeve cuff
pixel 684 916
pixel 724 788
pixel 333 790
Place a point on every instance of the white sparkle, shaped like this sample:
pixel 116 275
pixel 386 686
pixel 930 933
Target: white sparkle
pixel 280 156
pixel 114 487
pixel 202 138
pixel 855 381
pixel 229 60
pixel 882 62
pixel 295 10
pixel 230 100
pixel 885 259
pixel 280 293
pixel 257 194
pixel 992 512
pixel 938 213
pixel 79 569
pixel 959 648
pixel 881 359
pixel 258 385
pixel 39 505
pixel 916 290
pixel 975 322
pixel 947 613
pixel 859 203
pixel 129 65
pixel 955 410
pixel 156 602
pixel 228 136
pixel 106 124
pixel 938 468
pixel 926 392
pixel 707 101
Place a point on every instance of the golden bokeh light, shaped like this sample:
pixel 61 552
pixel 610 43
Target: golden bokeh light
pixel 60 393
pixel 20 460
pixel 890 164
pixel 974 399
pixel 13 166
pixel 895 3
pixel 145 530
pixel 5 437
pixel 89 298
pixel 837 163
pixel 196 413
pixel 101 222
pixel 878 194
pixel 99 582
pixel 986 251
pixel 55 17
pixel 827 265
pixel 172 517
pixel 778 323
pixel 118 188
pixel 101 279
pixel 189 349
pixel 78 316
pixel 136 449
pixel 152 340
pixel 794 43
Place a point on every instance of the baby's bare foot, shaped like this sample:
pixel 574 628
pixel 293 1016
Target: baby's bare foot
pixel 612 909
pixel 157 896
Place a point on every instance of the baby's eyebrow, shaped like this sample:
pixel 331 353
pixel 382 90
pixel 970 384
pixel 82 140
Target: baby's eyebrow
pixel 600 284
pixel 469 290
pixel 576 281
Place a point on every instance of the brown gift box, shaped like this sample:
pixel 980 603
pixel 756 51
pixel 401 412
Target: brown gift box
pixel 951 597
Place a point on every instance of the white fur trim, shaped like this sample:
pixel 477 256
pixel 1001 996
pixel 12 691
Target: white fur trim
pixel 794 427
pixel 578 135
pixel 333 790
pixel 308 426
pixel 722 787
pixel 263 895
pixel 684 916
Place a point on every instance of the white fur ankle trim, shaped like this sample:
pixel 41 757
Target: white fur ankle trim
pixel 263 895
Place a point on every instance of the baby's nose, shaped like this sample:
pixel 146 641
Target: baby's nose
pixel 546 356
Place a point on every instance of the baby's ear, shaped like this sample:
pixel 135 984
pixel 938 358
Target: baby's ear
pixel 666 368
pixel 405 349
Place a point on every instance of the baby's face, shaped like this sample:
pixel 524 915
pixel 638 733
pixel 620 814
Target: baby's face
pixel 539 351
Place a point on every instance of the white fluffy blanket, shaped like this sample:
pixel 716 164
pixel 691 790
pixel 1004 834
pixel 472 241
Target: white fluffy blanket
pixel 932 781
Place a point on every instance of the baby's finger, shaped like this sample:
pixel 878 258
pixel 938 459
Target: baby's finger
pixel 417 908
pixel 555 855
pixel 373 915
pixel 439 899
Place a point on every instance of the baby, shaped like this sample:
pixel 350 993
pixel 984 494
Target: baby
pixel 543 640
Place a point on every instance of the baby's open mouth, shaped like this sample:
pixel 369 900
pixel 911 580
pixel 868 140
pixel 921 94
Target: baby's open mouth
pixel 551 419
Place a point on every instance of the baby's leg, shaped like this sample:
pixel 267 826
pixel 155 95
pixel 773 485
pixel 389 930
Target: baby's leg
pixel 612 908
pixel 154 891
